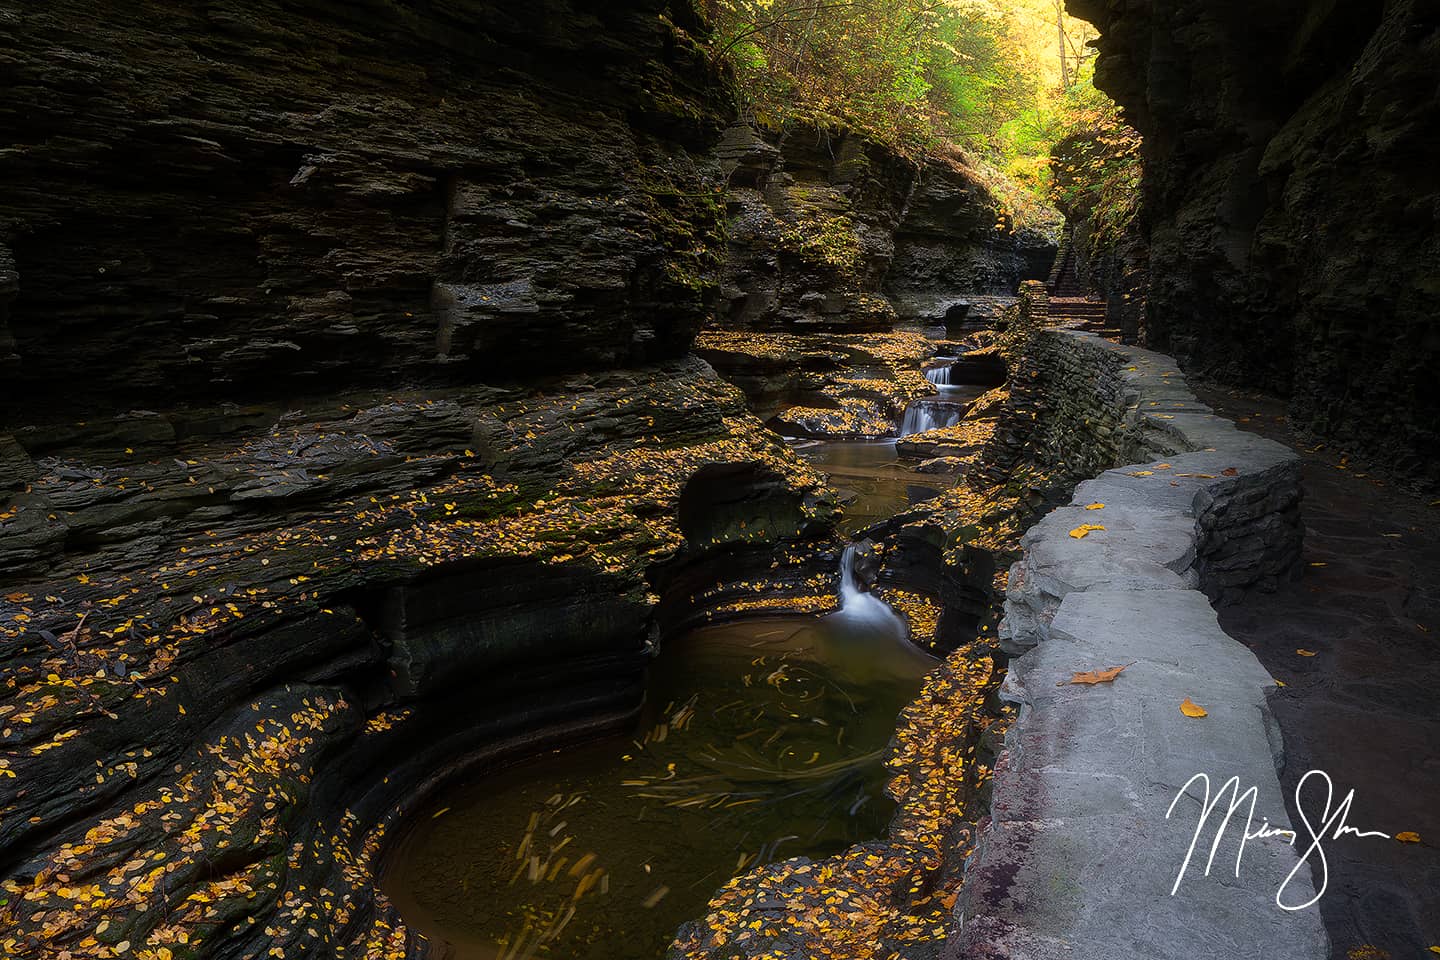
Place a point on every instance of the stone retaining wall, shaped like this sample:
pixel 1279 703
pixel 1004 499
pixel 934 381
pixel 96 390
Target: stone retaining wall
pixel 1078 858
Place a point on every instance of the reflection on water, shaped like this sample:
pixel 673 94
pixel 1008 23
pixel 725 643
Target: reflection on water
pixel 764 741
pixel 872 482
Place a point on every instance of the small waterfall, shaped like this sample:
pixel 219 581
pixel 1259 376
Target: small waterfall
pixel 939 375
pixel 860 607
pixel 925 415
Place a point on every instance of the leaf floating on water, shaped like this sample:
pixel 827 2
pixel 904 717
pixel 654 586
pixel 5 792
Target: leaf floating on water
pixel 655 897
pixel 1094 676
pixel 439 813
pixel 1409 836
pixel 1306 653
pixel 1192 709
pixel 1084 530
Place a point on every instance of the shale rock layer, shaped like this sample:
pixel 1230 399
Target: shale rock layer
pixel 1291 201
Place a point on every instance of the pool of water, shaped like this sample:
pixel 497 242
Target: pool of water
pixel 873 483
pixel 762 740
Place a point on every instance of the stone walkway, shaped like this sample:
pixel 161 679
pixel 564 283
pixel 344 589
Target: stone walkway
pixel 1366 707
pixel 1079 858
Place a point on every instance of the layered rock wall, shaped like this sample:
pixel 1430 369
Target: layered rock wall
pixel 829 232
pixel 295 521
pixel 1290 207
pixel 240 201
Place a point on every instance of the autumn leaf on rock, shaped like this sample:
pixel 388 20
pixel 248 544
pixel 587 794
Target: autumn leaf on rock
pixel 1084 530
pixel 1229 472
pixel 1306 653
pixel 1094 506
pixel 1408 836
pixel 1094 676
pixel 1192 709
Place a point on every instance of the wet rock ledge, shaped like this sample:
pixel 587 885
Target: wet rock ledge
pixel 1077 857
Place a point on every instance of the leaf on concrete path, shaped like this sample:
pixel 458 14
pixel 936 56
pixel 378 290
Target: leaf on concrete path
pixel 1094 676
pixel 1306 653
pixel 1408 836
pixel 1192 709
pixel 1084 530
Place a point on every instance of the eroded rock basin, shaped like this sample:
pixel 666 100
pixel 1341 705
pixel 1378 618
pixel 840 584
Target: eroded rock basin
pixel 761 740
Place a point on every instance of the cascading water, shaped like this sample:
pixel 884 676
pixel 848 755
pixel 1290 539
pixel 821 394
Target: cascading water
pixel 925 415
pixel 940 375
pixel 860 607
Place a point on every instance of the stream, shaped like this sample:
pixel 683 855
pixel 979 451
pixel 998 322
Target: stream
pixel 761 740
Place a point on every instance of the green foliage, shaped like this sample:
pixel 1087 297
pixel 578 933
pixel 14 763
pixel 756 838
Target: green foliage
pixel 1096 166
pixel 928 76
pixel 891 69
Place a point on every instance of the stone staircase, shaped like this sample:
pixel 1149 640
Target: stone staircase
pixel 1071 302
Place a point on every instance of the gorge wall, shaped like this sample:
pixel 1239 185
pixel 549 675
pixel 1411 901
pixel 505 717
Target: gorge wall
pixel 247 201
pixel 1291 202
pixel 350 436
pixel 349 439
pixel 829 232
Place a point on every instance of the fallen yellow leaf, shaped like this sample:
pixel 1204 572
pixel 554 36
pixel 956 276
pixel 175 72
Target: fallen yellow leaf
pixel 1094 676
pixel 1142 473
pixel 1084 530
pixel 1306 653
pixel 1408 836
pixel 1279 683
pixel 1192 709
pixel 1094 506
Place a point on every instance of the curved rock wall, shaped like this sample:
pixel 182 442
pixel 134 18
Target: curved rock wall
pixel 294 522
pixel 1078 855
pixel 1290 205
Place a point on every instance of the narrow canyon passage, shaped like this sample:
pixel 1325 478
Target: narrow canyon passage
pixel 719 479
